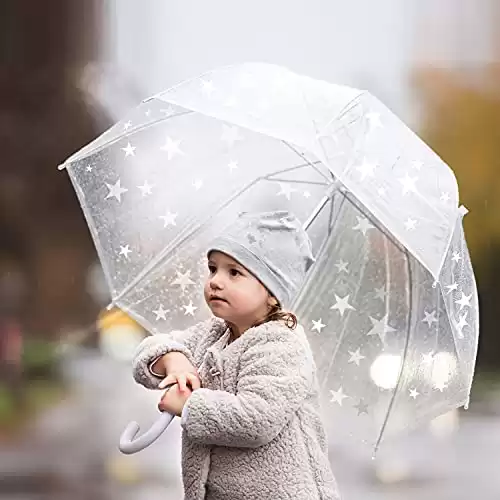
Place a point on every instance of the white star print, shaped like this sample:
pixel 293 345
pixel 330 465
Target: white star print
pixel 183 280
pixel 172 148
pixel 127 125
pixel 89 168
pixel 445 197
pixel 462 323
pixel 168 219
pixel 374 120
pixel 381 293
pixel 410 224
pixel 342 266
pixel 464 301
pixel 356 356
pixel 430 318
pixel 197 184
pixel 363 225
pixel 116 190
pixel 428 358
pixel 366 169
pixel 380 327
pixel 451 288
pixel 161 313
pixel 147 112
pixel 189 309
pixel 338 396
pixel 129 150
pixel 414 393
pixel 233 165
pixel 286 190
pixel 317 325
pixel 342 304
pixel 207 87
pixel 440 386
pixel 125 250
pixel 409 184
pixel 307 194
pixel 456 257
pixel 145 188
pixel 381 191
pixel 168 112
pixel 417 165
pixel 230 135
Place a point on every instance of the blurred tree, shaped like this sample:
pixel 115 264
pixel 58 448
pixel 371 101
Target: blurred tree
pixel 44 47
pixel 461 122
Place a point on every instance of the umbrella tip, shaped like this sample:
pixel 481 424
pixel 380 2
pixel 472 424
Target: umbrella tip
pixel 62 166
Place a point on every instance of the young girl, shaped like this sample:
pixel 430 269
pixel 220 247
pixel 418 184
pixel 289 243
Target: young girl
pixel 246 383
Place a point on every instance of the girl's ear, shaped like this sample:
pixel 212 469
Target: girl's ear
pixel 271 301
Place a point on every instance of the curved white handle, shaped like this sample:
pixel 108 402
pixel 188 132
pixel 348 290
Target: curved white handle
pixel 130 444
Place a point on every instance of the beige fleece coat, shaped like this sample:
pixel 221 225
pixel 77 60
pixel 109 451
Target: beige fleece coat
pixel 253 432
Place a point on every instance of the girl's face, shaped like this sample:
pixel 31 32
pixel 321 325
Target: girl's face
pixel 233 293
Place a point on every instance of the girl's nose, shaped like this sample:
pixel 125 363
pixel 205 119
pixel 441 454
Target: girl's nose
pixel 215 283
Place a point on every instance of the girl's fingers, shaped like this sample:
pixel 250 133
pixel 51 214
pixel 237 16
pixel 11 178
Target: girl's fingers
pixel 194 381
pixel 169 379
pixel 182 381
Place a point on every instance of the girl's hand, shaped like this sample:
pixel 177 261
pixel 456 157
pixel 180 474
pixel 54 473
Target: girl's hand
pixel 186 381
pixel 173 400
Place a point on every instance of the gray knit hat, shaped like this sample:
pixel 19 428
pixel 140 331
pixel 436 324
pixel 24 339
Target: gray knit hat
pixel 273 247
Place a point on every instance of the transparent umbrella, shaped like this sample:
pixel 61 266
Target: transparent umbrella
pixel 390 304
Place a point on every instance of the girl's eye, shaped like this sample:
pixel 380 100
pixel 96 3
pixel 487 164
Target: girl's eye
pixel 212 269
pixel 234 272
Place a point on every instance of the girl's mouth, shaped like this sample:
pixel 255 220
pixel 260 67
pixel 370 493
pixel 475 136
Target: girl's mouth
pixel 217 299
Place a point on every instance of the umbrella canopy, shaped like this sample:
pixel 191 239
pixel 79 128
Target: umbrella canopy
pixel 390 304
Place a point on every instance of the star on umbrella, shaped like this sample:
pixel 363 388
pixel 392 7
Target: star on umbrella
pixel 318 326
pixel 183 280
pixel 417 165
pixel 381 293
pixel 189 309
pixel 342 266
pixel 145 188
pixel 230 135
pixel 116 190
pixel 445 197
pixel 374 119
pixel 307 194
pixel 168 112
pixel 233 165
pixel 172 147
pixel 338 396
pixel 161 313
pixel 430 318
pixel 362 408
pixel 410 224
pixel 464 301
pixel 342 304
pixel 207 87
pixel 440 385
pixel 125 250
pixel 456 257
pixel 89 168
pixel 363 225
pixel 414 393
pixel 197 184
pixel 129 150
pixel 127 125
pixel 380 327
pixel 462 323
pixel 451 288
pixel 366 169
pixel 168 219
pixel 408 184
pixel 286 190
pixel 428 358
pixel 356 356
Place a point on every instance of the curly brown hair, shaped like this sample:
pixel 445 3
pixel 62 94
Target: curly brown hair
pixel 276 313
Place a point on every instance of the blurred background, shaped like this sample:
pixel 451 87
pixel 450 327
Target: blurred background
pixel 69 69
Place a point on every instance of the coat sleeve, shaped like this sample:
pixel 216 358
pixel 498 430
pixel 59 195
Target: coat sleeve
pixel 154 346
pixel 274 380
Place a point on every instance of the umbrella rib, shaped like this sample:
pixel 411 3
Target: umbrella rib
pixel 308 162
pixel 405 351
